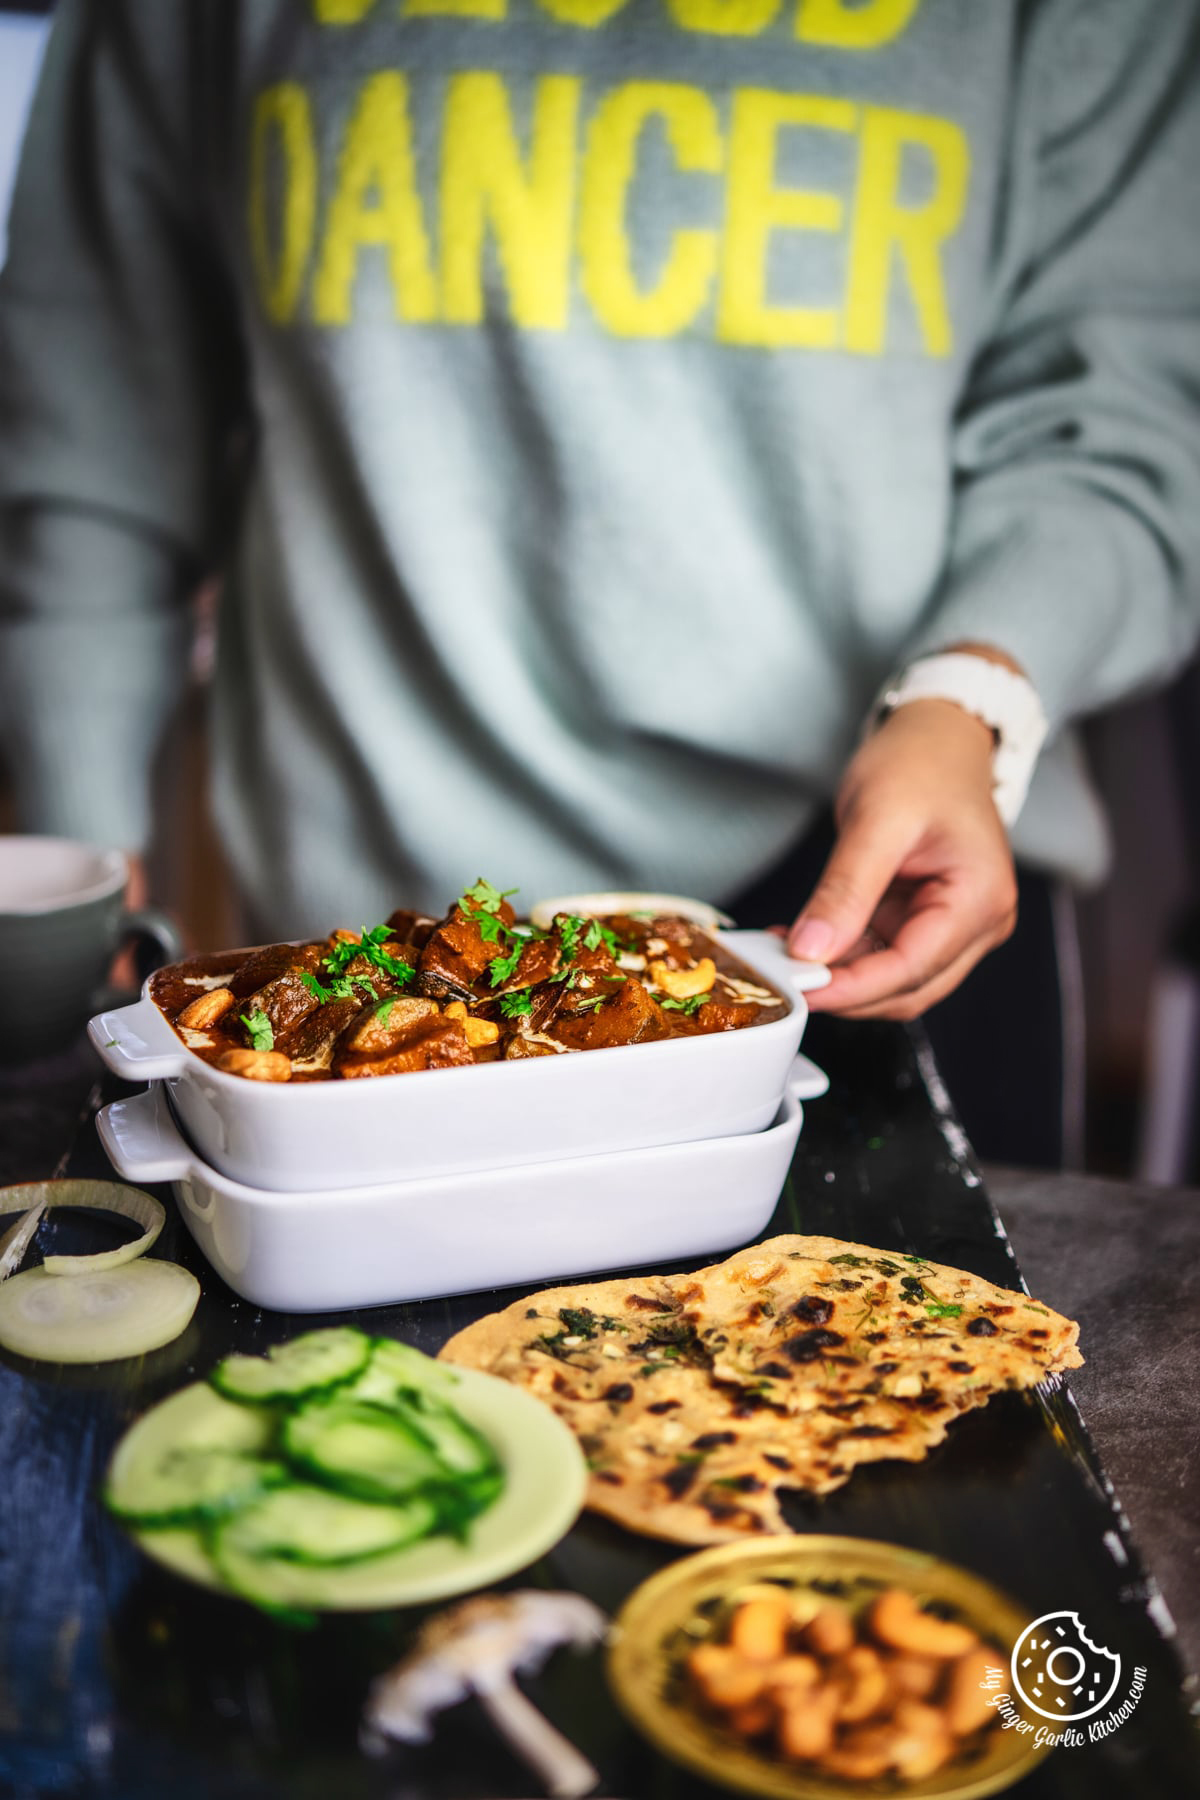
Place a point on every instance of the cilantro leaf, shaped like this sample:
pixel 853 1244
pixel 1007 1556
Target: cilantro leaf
pixel 518 1005
pixel 385 1012
pixel 369 946
pixel 487 899
pixel 939 1309
pixel 691 1005
pixel 503 968
pixel 570 926
pixel 258 1028
pixel 597 934
pixel 314 986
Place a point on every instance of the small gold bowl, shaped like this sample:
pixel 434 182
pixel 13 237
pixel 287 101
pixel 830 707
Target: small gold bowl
pixel 676 1609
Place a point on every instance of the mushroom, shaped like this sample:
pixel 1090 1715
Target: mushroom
pixel 477 1648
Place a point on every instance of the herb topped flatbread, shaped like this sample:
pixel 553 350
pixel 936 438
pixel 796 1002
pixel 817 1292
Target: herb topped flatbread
pixel 696 1397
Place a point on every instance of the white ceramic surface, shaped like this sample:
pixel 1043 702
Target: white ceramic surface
pixel 41 874
pixel 372 1246
pixel 490 1116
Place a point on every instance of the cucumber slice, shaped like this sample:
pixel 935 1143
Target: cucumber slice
pixel 307 1365
pixel 357 1448
pixel 395 1368
pixel 462 1449
pixel 290 1587
pixel 306 1524
pixel 185 1486
pixel 99 1317
pixel 157 1468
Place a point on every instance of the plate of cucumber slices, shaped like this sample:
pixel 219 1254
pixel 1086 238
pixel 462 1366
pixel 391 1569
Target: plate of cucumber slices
pixel 343 1472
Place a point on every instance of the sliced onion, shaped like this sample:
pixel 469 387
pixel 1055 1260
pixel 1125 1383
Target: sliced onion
pixel 102 1196
pixel 99 1316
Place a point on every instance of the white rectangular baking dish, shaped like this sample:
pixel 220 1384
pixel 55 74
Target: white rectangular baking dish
pixel 494 1115
pixel 369 1246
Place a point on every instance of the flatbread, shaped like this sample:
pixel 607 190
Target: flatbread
pixel 697 1397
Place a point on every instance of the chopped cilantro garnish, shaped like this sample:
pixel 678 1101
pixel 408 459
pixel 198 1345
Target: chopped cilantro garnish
pixel 518 1005
pixel 918 1260
pixel 691 1005
pixel 485 897
pixel 503 968
pixel 259 1031
pixel 340 988
pixel 385 1012
pixel 570 928
pixel 850 1261
pixel 580 1321
pixel 597 934
pixel 482 904
pixel 369 945
pixel 938 1309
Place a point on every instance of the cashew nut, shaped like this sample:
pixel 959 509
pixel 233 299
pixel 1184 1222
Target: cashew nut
pixel 829 1632
pixel 759 1627
pixel 476 1031
pixel 965 1706
pixel 682 984
pixel 792 1675
pixel 863 1684
pixel 206 1009
pixel 725 1679
pixel 256 1065
pixel 806 1722
pixel 915 1676
pixel 924 1742
pixel 751 1721
pixel 896 1620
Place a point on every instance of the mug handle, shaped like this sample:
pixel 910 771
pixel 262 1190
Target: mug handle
pixel 156 931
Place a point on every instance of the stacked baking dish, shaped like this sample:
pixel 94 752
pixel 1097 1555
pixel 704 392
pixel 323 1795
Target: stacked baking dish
pixel 324 1195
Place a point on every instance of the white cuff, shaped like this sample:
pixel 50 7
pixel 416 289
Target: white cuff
pixel 1005 701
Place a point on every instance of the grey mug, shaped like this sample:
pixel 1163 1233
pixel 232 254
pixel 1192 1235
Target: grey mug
pixel 62 920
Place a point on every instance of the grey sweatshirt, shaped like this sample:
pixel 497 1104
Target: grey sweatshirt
pixel 590 402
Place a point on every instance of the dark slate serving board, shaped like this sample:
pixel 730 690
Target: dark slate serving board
pixel 118 1681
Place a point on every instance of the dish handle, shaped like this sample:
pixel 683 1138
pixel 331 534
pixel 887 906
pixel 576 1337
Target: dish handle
pixel 142 1140
pixel 137 1043
pixel 769 954
pixel 805 1081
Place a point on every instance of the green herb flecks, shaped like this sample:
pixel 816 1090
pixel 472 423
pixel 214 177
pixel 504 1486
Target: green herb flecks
pixel 943 1309
pixel 848 1260
pixel 482 904
pixel 503 968
pixel 690 1006
pixel 384 1013
pixel 580 1321
pixel 259 1030
pixel 518 1005
pixel 340 988
pixel 597 934
pixel 369 945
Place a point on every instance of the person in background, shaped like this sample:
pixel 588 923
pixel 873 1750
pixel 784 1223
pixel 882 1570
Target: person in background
pixel 625 428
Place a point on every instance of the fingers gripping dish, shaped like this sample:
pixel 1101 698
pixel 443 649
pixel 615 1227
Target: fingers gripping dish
pixel 476 986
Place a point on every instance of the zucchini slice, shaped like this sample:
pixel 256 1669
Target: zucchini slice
pixel 310 1364
pixel 306 1524
pixel 358 1448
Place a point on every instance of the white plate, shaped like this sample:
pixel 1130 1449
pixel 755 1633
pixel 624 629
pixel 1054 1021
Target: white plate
pixel 545 1480
pixel 407 1240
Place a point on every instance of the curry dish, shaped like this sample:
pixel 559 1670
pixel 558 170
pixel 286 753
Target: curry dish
pixel 475 986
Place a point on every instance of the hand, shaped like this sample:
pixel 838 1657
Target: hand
pixel 922 864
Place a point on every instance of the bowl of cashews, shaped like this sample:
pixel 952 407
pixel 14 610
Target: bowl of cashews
pixel 811 1667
